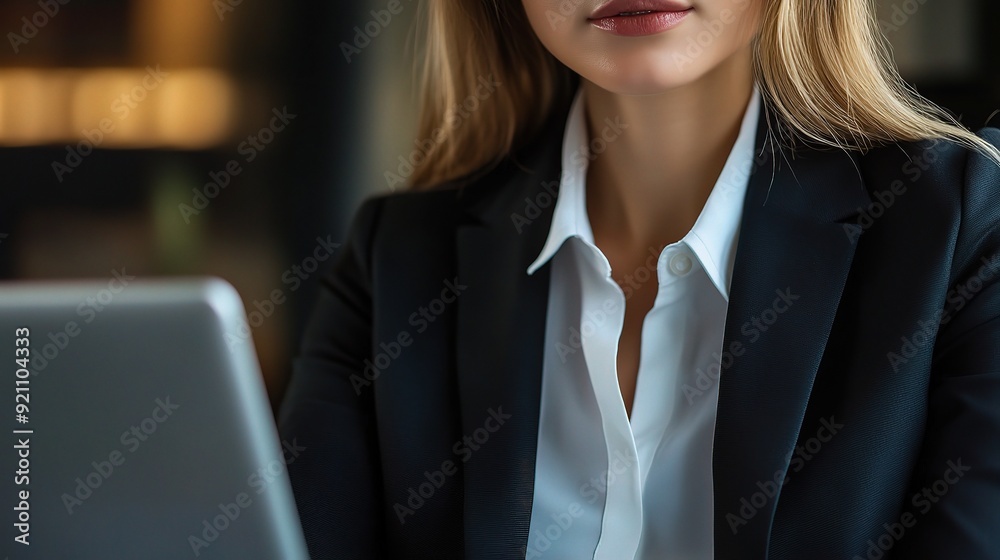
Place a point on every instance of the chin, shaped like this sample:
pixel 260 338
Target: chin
pixel 652 55
pixel 648 74
pixel 648 65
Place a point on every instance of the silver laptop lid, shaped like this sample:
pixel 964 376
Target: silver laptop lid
pixel 138 425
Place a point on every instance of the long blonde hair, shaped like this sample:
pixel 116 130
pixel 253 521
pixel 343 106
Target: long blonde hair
pixel 823 66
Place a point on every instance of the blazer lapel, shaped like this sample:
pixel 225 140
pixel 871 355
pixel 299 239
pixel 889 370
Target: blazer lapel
pixel 797 241
pixel 793 257
pixel 500 343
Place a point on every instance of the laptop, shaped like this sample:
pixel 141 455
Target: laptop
pixel 138 425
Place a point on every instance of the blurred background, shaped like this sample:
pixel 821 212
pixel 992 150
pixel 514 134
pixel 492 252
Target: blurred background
pixel 235 138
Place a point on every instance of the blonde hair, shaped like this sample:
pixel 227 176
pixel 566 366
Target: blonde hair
pixel 823 66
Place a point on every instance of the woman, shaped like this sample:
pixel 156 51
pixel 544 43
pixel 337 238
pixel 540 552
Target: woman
pixel 677 279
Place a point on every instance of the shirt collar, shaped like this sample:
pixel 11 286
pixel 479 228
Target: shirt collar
pixel 569 217
pixel 713 237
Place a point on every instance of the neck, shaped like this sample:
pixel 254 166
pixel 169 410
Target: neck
pixel 649 185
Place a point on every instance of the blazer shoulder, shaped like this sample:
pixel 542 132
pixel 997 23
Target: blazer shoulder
pixel 950 181
pixel 494 188
pixel 982 173
pixel 411 217
pixel 455 202
pixel 979 233
pixel 942 171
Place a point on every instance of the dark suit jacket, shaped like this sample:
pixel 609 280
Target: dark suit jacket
pixel 860 421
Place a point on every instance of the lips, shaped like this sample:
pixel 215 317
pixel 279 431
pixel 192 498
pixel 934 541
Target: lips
pixel 639 18
pixel 638 8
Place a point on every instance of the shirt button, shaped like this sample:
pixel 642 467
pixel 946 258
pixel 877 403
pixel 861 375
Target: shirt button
pixel 680 264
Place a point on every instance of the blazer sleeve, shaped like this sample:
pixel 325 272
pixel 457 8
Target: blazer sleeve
pixel 336 478
pixel 954 493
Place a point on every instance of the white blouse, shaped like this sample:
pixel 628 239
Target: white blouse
pixel 607 488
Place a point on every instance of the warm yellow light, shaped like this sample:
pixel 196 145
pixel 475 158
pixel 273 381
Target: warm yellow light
pixel 116 107
pixel 196 109
pixel 98 106
pixel 35 105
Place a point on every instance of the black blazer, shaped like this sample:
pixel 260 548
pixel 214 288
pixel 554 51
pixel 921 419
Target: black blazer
pixel 860 421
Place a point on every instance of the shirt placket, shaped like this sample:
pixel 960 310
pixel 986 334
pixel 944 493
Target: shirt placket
pixel 600 327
